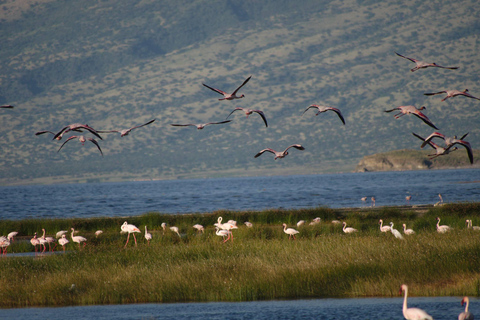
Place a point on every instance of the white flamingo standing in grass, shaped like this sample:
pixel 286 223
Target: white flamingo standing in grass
pixel 223 233
pixel 466 315
pixel 175 229
pixel 148 236
pixel 290 231
pixel 229 226
pixel 63 241
pixel 349 229
pixel 407 231
pixel 199 228
pixel 395 232
pixel 442 228
pixel 78 239
pixel 412 313
pixel 382 227
pixel 129 228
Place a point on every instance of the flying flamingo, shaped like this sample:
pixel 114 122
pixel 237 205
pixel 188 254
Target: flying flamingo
pixel 148 236
pixel 76 127
pixel 78 239
pixel 450 142
pixel 56 137
pixel 280 155
pixel 453 93
pixel 466 315
pixel 6 107
pixel 125 132
pixel 395 232
pixel 129 228
pixel 82 139
pixel 412 110
pixel 199 126
pixel 199 228
pixel 290 231
pixel 422 65
pixel 321 109
pixel 439 151
pixel 349 229
pixel 63 241
pixel 249 112
pixel 442 228
pixel 412 313
pixel 229 96
pixel 382 227
pixel 407 231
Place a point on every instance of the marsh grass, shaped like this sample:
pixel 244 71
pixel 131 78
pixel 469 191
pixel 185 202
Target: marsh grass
pixel 261 263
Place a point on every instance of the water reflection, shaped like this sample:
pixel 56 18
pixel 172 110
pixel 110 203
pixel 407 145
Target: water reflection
pixel 369 308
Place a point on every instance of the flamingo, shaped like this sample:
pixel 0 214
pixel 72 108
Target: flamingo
pixel 76 127
pixel 229 96
pixel 229 226
pixel 349 229
pixel 300 223
pixel 382 227
pixel 129 228
pixel 466 315
pixel 373 201
pixel 248 224
pixel 148 236
pixel 42 241
pixel 56 137
pixel 412 110
pixel 439 151
pixel 407 231
pixel 98 233
pixel 82 139
pixel 35 242
pixel 199 126
pixel 223 233
pixel 364 200
pixel 199 228
pixel 280 155
pixel 60 233
pixel 395 232
pixel 249 112
pixel 442 228
pixel 315 221
pixel 408 198
pixel 6 107
pixel 11 235
pixel 441 200
pixel 4 243
pixel 78 239
pixel 321 109
pixel 452 93
pixel 164 227
pixel 49 240
pixel 422 65
pixel 290 231
pixel 471 226
pixel 412 313
pixel 125 132
pixel 175 229
pixel 450 142
pixel 63 241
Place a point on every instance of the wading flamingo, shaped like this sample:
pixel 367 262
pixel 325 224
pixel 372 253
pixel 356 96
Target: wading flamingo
pixel 290 231
pixel 129 228
pixel 422 65
pixel 78 239
pixel 49 240
pixel 199 126
pixel 408 198
pixel 321 109
pixel 63 241
pixel 349 229
pixel 76 127
pixel 412 110
pixel 280 155
pixel 382 227
pixel 373 201
pixel 442 228
pixel 412 313
pixel 407 231
pixel 452 93
pixel 82 140
pixel 229 96
pixel 249 112
pixel 148 236
pixel 466 315
pixel 125 132
pixel 35 242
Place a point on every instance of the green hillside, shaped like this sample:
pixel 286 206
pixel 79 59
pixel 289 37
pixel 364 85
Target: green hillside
pixel 116 64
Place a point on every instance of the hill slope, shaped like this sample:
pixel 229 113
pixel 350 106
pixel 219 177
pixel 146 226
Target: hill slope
pixel 117 64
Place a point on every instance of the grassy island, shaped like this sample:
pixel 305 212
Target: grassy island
pixel 260 263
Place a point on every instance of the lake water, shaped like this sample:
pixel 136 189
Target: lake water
pixel 370 308
pixel 249 193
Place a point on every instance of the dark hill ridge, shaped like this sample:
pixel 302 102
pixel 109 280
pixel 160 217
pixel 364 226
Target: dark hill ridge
pixel 116 64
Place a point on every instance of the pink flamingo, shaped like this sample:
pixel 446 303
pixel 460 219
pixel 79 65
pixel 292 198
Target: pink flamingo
pixel 249 112
pixel 35 242
pixel 130 228
pixel 415 111
pixel 422 65
pixel 412 313
pixel 6 107
pixel 148 236
pixel 11 235
pixel 450 142
pixel 321 109
pixel 63 241
pixel 290 231
pixel 280 155
pixel 77 127
pixel 4 243
pixel 199 126
pixel 125 132
pixel 439 151
pixel 78 239
pixel 453 93
pixel 382 227
pixel 229 96
pixel 229 226
pixel 82 140
pixel 49 240
pixel 223 233
pixel 466 315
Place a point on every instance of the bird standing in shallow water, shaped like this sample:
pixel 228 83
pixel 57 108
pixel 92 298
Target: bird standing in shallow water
pixel 412 313
pixel 466 315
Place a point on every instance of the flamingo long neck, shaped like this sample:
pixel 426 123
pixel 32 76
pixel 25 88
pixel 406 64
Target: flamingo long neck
pixel 438 223
pixel 381 224
pixel 284 228
pixel 344 226
pixel 43 236
pixel 466 305
pixel 405 300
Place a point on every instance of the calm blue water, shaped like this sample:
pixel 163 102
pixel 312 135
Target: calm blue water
pixel 352 309
pixel 251 193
